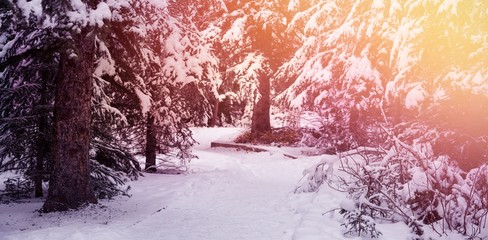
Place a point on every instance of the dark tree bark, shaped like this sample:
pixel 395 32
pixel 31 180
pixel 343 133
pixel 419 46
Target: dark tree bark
pixel 69 186
pixel 151 144
pixel 261 122
pixel 41 141
pixel 260 116
pixel 40 158
pixel 216 112
pixel 41 149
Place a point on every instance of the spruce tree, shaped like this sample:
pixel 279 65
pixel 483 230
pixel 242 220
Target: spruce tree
pixel 251 43
pixel 69 186
pixel 26 84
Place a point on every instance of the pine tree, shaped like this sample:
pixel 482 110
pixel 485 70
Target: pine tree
pixel 440 77
pixel 340 68
pixel 69 186
pixel 182 89
pixel 30 63
pixel 160 63
pixel 247 39
pixel 27 79
pixel 128 87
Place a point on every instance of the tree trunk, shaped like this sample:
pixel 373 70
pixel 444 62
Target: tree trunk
pixel 40 158
pixel 215 116
pixel 42 141
pixel 260 117
pixel 355 128
pixel 151 144
pixel 41 152
pixel 69 187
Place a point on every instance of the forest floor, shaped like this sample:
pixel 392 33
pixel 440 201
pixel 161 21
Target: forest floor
pixel 228 195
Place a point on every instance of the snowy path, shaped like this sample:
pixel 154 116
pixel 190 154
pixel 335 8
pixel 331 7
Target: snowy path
pixel 229 195
pixel 220 204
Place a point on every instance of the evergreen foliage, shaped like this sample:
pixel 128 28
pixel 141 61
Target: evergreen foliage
pixel 28 65
pixel 417 67
pixel 15 189
pixel 249 40
pixel 419 61
pixel 161 75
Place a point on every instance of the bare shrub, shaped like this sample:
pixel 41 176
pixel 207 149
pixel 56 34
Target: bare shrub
pixel 404 183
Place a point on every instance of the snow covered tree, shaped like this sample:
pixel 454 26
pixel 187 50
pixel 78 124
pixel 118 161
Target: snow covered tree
pixel 30 63
pixel 27 79
pixel 31 71
pixel 404 183
pixel 124 59
pixel 182 89
pixel 440 74
pixel 247 39
pixel 199 13
pixel 340 69
pixel 417 67
pixel 161 66
pixel 69 186
pixel 412 59
pixel 148 68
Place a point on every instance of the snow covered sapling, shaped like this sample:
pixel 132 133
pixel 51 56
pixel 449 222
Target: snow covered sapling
pixel 363 179
pixel 359 223
pixel 16 188
pixel 467 208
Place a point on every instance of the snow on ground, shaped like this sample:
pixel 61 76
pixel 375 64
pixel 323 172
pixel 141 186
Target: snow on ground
pixel 228 195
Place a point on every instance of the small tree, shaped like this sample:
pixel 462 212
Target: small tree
pixel 26 97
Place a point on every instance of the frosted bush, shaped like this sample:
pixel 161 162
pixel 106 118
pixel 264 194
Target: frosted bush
pixel 405 184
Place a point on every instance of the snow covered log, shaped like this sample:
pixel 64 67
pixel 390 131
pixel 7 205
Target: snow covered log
pixel 246 148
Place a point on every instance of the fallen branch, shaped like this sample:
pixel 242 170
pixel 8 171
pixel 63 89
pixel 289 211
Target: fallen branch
pixel 246 148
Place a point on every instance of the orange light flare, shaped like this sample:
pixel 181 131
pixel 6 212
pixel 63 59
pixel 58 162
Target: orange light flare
pixel 454 70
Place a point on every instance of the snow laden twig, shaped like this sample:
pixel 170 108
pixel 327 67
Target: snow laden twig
pixel 317 175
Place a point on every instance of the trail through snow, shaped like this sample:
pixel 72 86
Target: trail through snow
pixel 232 201
pixel 233 195
pixel 228 195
